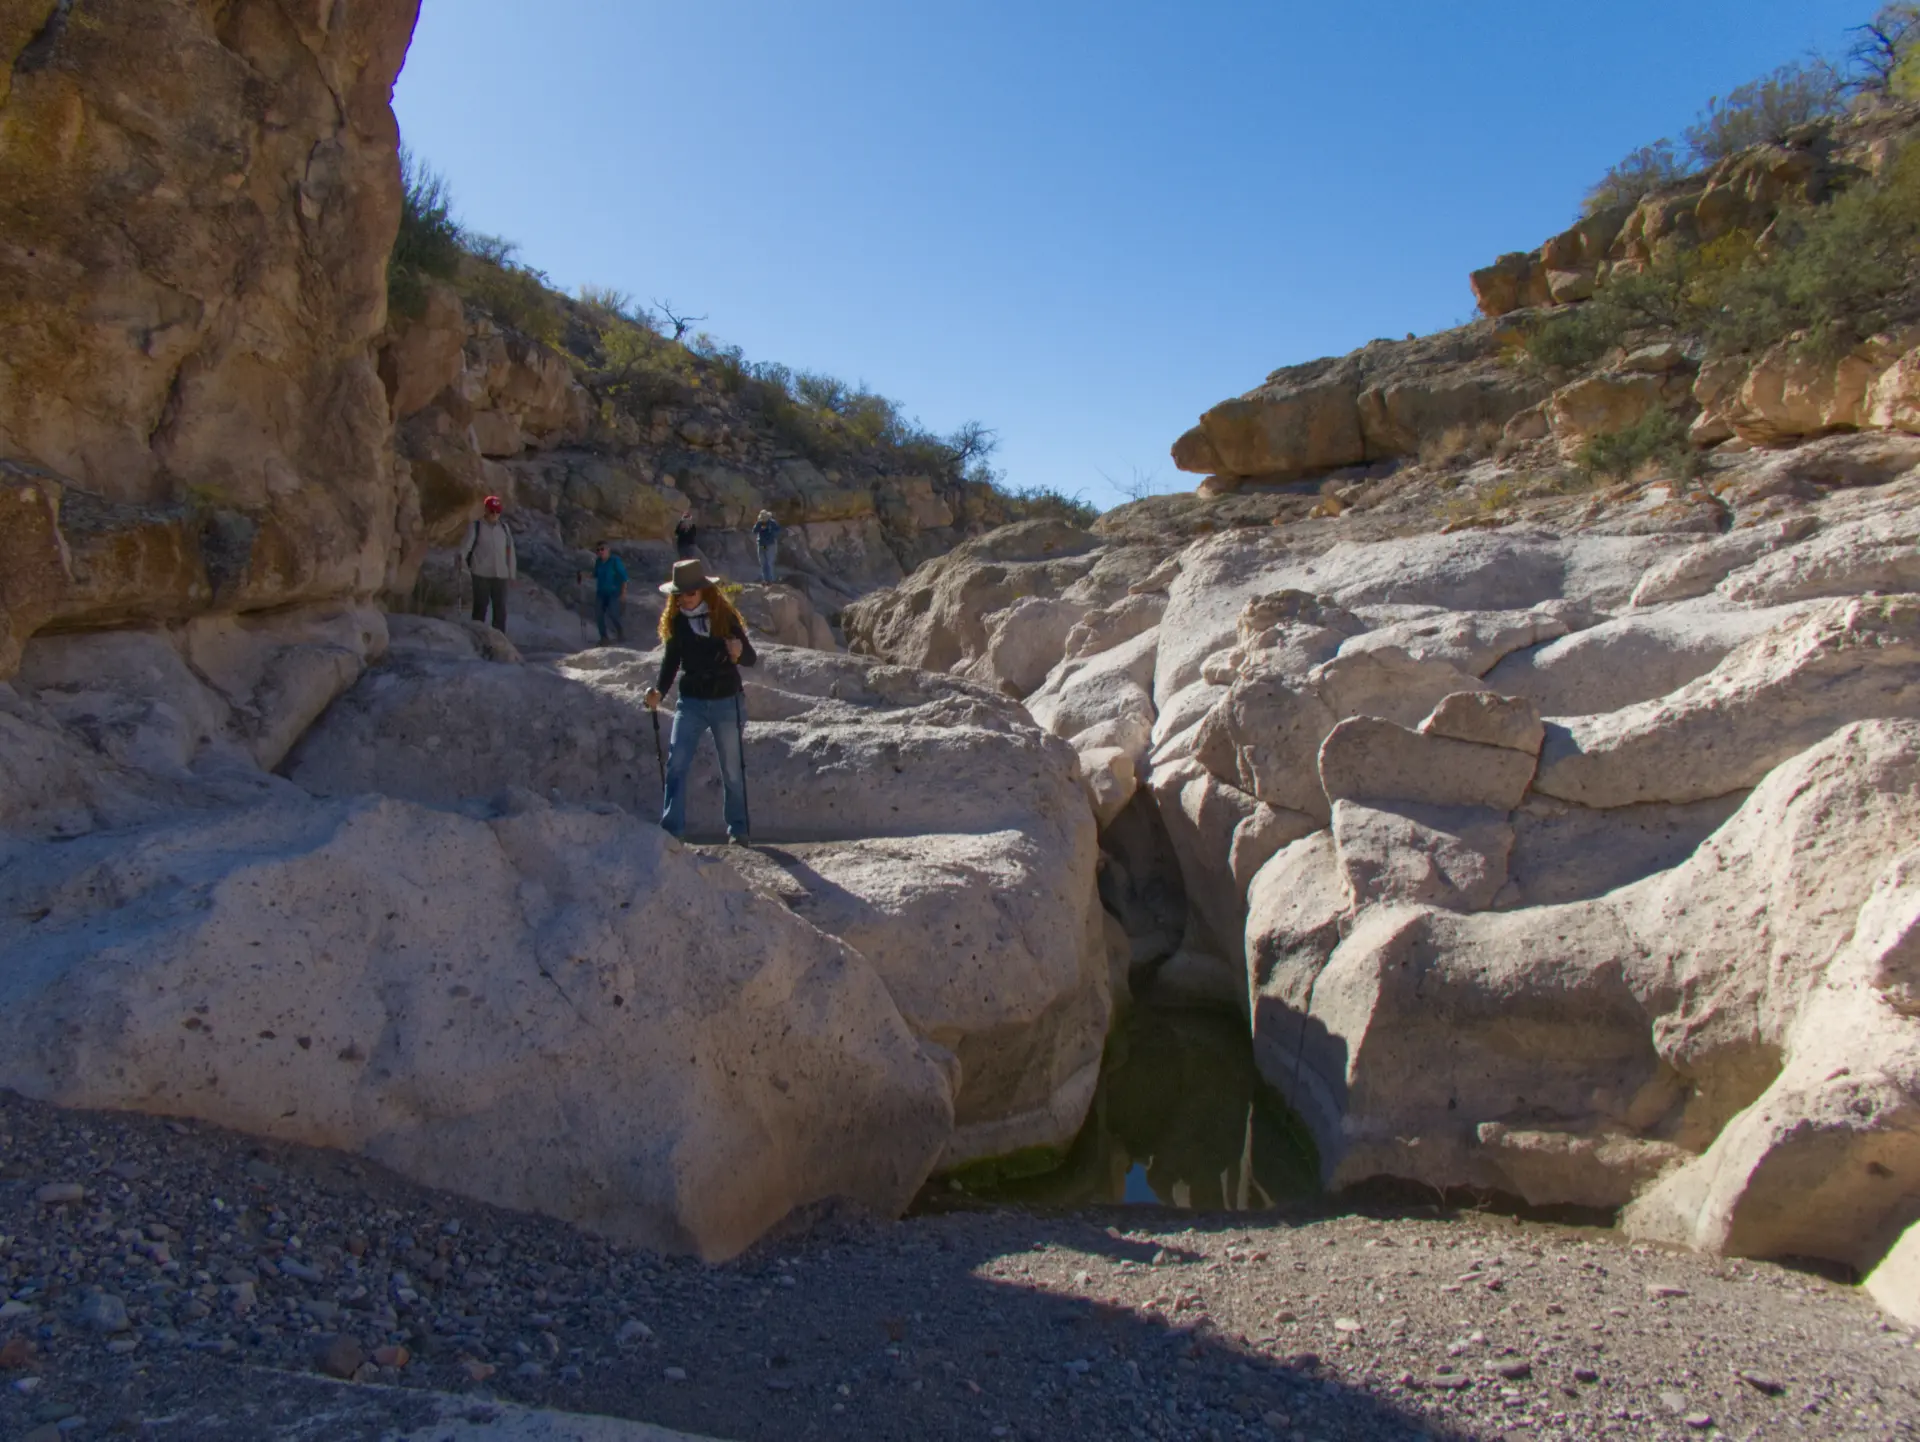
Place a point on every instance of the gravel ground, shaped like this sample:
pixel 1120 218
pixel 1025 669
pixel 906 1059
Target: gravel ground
pixel 195 1258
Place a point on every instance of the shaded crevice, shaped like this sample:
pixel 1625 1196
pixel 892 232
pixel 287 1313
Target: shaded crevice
pixel 39 51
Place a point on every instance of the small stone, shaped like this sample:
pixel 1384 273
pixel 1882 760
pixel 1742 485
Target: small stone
pixel 1673 1401
pixel 1284 1319
pixel 1348 1324
pixel 394 1357
pixel 1513 1371
pixel 128 1171
pixel 1660 1291
pixel 1766 1386
pixel 675 1374
pixel 1452 1381
pixel 10 1310
pixel 299 1271
pixel 15 1353
pixel 632 1332
pixel 56 1194
pixel 1699 1421
pixel 103 1312
pixel 321 1309
pixel 477 1371
pixel 1585 1374
pixel 530 1370
pixel 338 1356
pixel 120 1346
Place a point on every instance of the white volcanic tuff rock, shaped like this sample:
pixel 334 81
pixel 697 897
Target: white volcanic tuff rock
pixel 1722 1007
pixel 1772 696
pixel 1272 726
pixel 998 608
pixel 1468 571
pixel 1875 552
pixel 1698 569
pixel 1367 759
pixel 923 813
pixel 1563 852
pixel 1895 1282
pixel 152 699
pixel 552 1010
pixel 1435 855
pixel 1475 641
pixel 1108 692
pixel 1626 659
pixel 986 953
pixel 1490 720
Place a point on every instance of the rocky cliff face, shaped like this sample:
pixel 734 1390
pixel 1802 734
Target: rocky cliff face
pixel 192 274
pixel 1406 411
pixel 394 888
pixel 1564 856
pixel 1548 818
pixel 484 408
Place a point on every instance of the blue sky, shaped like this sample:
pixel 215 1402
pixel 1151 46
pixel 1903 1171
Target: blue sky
pixel 1079 223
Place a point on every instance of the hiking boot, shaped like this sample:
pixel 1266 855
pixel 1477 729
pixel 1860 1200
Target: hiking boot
pixel 740 840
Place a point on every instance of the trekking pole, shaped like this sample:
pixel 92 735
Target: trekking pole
pixel 740 720
pixel 659 758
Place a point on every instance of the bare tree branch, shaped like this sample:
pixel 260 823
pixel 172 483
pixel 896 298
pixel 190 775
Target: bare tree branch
pixel 681 323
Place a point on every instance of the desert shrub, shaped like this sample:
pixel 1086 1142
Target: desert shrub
pixel 1455 444
pixel 515 295
pixel 1765 111
pixel 634 368
pixel 429 243
pixel 1831 275
pixel 1636 177
pixel 1660 437
pixel 1047 503
pixel 1574 338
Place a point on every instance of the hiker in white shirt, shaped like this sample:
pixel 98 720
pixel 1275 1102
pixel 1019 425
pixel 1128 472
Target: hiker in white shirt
pixel 490 559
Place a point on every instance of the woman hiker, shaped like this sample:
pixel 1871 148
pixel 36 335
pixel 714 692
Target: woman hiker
pixel 766 541
pixel 685 535
pixel 706 647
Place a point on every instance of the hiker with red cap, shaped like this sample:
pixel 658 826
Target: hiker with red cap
pixel 491 562
pixel 706 645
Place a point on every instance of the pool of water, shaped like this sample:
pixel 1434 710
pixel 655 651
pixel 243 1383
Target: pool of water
pixel 1181 1119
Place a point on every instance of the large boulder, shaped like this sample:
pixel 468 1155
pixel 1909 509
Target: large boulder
pixel 1380 402
pixel 1718 1026
pixel 551 1009
pixel 900 805
pixel 195 258
pixel 1772 696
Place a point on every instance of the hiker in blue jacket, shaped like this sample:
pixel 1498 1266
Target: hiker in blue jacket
pixel 609 592
pixel 766 540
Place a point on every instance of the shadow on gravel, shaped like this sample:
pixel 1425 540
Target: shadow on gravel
pixel 847 1328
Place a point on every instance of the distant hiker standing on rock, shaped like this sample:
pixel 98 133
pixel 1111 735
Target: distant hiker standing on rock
pixel 685 533
pixel 706 647
pixel 766 541
pixel 491 562
pixel 609 591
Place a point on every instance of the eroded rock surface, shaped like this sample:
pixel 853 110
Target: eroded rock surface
pixel 1545 860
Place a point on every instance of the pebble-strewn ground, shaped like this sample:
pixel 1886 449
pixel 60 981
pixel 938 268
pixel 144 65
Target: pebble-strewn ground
pixel 195 1257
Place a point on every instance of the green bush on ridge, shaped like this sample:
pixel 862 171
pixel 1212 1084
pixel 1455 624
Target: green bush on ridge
pixel 632 367
pixel 1659 436
pixel 1827 277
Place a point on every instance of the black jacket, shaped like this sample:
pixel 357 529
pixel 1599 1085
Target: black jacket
pixel 706 672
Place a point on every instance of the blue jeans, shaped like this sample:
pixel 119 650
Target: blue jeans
pixel 606 615
pixel 767 549
pixel 723 719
